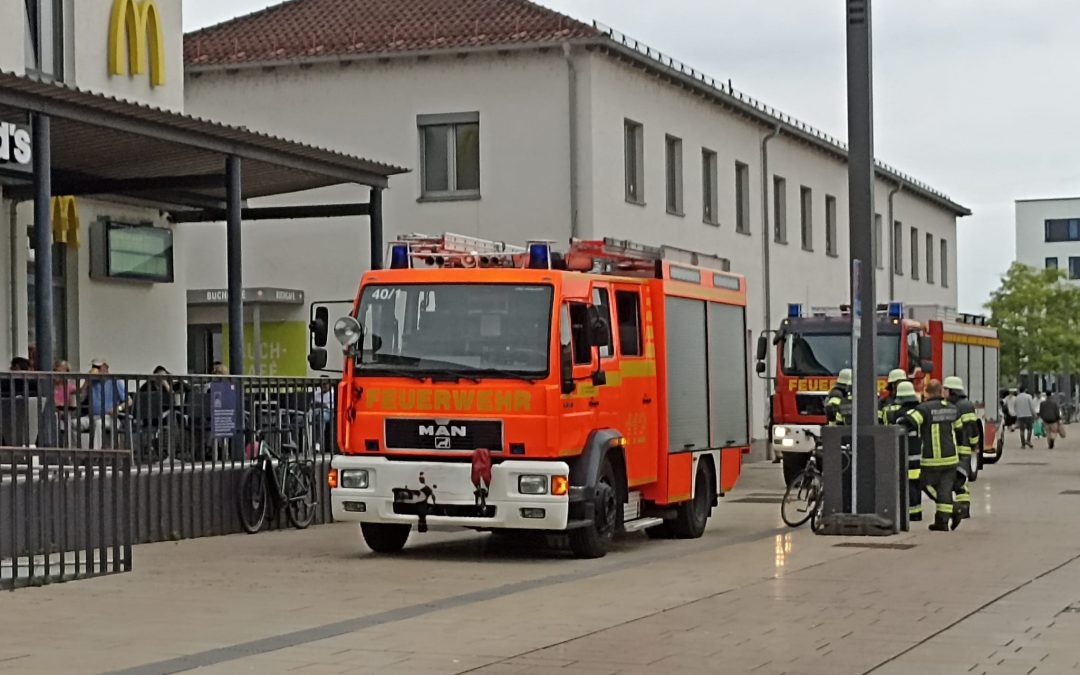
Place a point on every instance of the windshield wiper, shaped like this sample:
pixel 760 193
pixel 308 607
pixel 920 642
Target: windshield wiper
pixel 394 372
pixel 511 374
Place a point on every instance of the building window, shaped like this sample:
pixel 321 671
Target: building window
pixel 806 215
pixel 830 225
pixel 1063 229
pixel 879 238
pixel 779 201
pixel 1074 267
pixel 634 157
pixel 742 198
pixel 1051 263
pixel 449 156
pixel 929 258
pixel 944 264
pixel 914 253
pixel 898 248
pixel 44 38
pixel 673 172
pixel 708 187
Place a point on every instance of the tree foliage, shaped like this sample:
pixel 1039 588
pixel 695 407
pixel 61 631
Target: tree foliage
pixel 1037 315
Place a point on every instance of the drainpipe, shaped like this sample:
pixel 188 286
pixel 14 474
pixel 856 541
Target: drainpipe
pixel 892 242
pixel 571 105
pixel 13 265
pixel 766 250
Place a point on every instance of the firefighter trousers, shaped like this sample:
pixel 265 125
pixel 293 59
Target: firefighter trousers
pixel 914 489
pixel 938 481
pixel 961 488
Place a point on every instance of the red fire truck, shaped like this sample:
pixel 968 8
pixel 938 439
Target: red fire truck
pixel 491 387
pixel 925 341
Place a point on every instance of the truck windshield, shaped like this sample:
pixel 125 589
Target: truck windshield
pixel 456 330
pixel 827 354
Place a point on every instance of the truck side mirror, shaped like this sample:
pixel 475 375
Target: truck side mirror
pixel 927 366
pixel 760 367
pixel 762 351
pixel 566 374
pixel 599 330
pixel 317 358
pixel 599 378
pixel 320 326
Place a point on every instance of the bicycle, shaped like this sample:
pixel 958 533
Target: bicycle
pixel 804 498
pixel 278 478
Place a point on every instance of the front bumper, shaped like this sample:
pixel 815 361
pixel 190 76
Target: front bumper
pixel 795 437
pixel 452 485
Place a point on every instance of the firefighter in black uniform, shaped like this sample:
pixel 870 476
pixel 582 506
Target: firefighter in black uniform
pixel 906 401
pixel 971 441
pixel 888 400
pixel 838 405
pixel 938 424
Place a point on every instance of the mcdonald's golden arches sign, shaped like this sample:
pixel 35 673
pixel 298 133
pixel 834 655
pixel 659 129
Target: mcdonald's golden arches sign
pixel 135 33
pixel 65 221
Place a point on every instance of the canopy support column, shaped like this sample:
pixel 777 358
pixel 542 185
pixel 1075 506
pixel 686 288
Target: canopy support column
pixel 234 255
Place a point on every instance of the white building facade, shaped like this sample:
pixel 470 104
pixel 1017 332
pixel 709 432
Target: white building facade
pixel 1048 234
pixel 590 137
pixel 69 43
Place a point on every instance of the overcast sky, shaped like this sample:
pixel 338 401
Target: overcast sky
pixel 971 96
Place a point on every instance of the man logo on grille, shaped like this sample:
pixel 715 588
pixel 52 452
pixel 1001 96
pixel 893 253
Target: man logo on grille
pixel 442 431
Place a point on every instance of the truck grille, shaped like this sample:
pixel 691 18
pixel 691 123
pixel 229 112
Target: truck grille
pixel 810 404
pixel 429 434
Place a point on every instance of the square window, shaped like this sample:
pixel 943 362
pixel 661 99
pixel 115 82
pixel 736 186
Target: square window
pixel 449 156
pixel 1051 263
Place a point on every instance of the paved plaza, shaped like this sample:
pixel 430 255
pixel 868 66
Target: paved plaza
pixel 1001 595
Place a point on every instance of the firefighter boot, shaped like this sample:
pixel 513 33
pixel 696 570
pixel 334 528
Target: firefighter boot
pixel 956 518
pixel 963 509
pixel 941 522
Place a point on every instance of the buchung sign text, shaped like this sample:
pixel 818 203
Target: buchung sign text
pixel 15 148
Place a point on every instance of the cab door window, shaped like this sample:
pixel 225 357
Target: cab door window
pixel 628 309
pixel 602 302
pixel 579 321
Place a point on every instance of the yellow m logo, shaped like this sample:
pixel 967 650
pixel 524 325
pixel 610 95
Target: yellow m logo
pixel 65 221
pixel 136 24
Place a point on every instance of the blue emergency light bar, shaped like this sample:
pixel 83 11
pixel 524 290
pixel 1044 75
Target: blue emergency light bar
pixel 896 310
pixel 794 310
pixel 399 256
pixel 539 256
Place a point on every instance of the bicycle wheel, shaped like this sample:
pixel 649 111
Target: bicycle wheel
pixel 254 499
pixel 299 492
pixel 800 499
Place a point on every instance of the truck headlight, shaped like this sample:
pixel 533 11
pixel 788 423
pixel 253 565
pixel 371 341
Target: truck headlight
pixel 356 479
pixel 779 432
pixel 533 485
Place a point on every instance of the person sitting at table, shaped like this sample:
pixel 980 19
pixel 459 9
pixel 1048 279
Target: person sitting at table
pixel 18 384
pixel 107 399
pixel 65 391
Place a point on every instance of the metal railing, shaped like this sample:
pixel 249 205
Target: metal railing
pixel 190 437
pixel 64 515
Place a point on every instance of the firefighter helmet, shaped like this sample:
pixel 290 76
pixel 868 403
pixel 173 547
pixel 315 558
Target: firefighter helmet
pixel 897 375
pixel 905 391
pixel 953 383
pixel 844 377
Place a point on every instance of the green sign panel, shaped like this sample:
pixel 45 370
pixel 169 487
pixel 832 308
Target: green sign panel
pixel 283 348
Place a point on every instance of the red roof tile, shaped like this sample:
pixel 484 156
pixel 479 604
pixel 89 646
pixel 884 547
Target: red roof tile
pixel 301 29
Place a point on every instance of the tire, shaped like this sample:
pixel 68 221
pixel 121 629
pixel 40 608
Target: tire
pixel 254 499
pixel 385 538
pixel 794 463
pixel 593 541
pixel 300 495
pixel 974 464
pixel 692 516
pixel 999 445
pixel 800 500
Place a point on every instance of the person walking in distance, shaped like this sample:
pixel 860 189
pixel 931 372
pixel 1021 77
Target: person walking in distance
pixel 1025 409
pixel 937 422
pixel 905 401
pixel 1050 414
pixel 969 441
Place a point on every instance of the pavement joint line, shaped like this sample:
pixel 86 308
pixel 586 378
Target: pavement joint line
pixel 274 643
pixel 972 613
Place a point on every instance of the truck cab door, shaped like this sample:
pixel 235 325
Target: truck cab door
pixel 610 395
pixel 577 363
pixel 637 415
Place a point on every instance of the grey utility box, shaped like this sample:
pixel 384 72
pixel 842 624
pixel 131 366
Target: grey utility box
pixel 878 482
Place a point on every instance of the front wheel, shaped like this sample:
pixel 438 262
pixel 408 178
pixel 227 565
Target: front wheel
pixel 593 540
pixel 385 538
pixel 254 499
pixel 300 495
pixel 801 499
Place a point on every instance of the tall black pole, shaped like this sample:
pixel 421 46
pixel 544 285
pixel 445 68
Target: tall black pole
pixel 233 200
pixel 861 205
pixel 376 229
pixel 44 330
